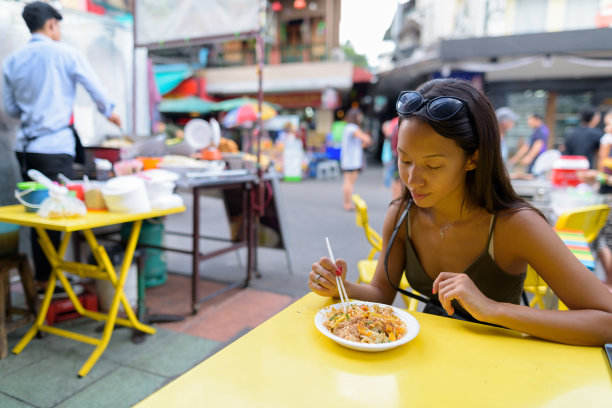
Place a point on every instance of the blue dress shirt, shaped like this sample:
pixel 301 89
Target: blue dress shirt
pixel 39 87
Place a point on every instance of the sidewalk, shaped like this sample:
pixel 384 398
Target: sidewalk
pixel 44 374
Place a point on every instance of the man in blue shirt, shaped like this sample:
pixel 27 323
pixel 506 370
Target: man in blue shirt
pixel 39 87
pixel 538 143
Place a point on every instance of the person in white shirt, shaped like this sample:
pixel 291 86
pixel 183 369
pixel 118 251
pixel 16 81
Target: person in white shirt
pixel 351 155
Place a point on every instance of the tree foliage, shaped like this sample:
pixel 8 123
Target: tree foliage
pixel 351 55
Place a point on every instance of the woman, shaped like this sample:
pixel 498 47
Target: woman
pixel 351 155
pixel 467 237
pixel 605 143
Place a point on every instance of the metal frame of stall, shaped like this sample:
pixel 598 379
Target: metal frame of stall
pixel 256 206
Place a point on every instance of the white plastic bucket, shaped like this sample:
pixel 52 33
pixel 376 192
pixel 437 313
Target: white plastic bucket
pixel 106 291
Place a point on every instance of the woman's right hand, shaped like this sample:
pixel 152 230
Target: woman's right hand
pixel 322 277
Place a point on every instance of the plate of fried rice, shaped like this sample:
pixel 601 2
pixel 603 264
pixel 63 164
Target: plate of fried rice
pixel 367 326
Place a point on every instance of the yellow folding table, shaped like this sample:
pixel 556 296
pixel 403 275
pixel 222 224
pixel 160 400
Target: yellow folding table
pixel 287 362
pixel 103 269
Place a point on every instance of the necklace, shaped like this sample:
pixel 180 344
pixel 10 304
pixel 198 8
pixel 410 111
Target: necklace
pixel 443 228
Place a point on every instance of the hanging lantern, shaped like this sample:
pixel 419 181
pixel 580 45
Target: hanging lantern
pixel 299 4
pixel 277 6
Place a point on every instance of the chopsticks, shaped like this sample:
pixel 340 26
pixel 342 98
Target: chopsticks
pixel 343 296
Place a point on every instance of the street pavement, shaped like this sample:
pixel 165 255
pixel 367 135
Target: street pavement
pixel 312 210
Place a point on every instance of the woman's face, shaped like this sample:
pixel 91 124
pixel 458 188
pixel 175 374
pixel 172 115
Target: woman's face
pixel 432 166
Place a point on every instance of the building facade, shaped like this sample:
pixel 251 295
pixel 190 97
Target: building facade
pixel 553 57
pixel 304 69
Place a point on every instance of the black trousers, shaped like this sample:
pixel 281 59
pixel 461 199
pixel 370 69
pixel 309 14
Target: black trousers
pixel 49 165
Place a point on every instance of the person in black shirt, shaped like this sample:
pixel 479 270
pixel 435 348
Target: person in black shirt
pixel 583 140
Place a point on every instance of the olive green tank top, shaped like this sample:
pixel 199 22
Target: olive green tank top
pixel 490 279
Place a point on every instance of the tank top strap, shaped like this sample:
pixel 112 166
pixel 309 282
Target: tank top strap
pixel 490 243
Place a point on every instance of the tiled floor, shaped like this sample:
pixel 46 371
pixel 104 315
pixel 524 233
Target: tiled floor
pixel 44 374
pixel 221 319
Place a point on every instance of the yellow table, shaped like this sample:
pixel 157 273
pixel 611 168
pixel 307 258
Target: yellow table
pixel 287 362
pixel 16 214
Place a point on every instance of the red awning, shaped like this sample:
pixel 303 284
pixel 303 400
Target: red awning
pixel 192 86
pixel 361 75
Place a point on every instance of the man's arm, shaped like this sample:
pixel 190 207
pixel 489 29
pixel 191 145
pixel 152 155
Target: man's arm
pixel 84 74
pixel 533 152
pixel 8 99
pixel 519 154
pixel 114 118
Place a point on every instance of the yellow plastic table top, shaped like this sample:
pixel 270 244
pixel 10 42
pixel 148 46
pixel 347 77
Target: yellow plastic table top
pixel 287 362
pixel 16 214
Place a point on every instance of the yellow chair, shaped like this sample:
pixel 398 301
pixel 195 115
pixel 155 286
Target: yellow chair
pixel 361 219
pixel 367 267
pixel 589 220
pixel 536 286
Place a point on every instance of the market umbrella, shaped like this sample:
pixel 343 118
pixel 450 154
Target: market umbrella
pixel 247 114
pixel 230 104
pixel 186 105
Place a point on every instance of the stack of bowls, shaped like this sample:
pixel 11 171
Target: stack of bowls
pixel 126 194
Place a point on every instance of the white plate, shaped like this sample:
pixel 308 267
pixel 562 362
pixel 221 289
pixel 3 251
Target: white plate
pixel 412 329
pixel 198 133
pixel 216 131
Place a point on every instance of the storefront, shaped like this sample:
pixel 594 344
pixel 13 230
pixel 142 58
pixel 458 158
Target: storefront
pixel 555 74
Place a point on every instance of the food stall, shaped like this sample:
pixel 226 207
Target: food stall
pixel 204 159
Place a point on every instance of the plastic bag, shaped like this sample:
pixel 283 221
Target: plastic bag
pixel 63 206
pixel 59 204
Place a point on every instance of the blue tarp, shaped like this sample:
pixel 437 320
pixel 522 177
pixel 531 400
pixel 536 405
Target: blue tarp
pixel 168 77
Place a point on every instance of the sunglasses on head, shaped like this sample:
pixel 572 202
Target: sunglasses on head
pixel 438 108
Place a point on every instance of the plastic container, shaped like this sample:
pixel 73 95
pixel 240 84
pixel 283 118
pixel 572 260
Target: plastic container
pixel 78 190
pixel 293 156
pixel 565 170
pixel 104 169
pixel 149 163
pixel 234 160
pixel 333 153
pixel 105 288
pixel 126 194
pixel 9 239
pixel 159 182
pixel 570 198
pixel 94 200
pixel 31 194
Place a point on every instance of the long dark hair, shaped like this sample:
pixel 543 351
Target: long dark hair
pixel 476 128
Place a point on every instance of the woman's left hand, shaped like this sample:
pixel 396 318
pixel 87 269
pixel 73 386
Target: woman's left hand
pixel 458 286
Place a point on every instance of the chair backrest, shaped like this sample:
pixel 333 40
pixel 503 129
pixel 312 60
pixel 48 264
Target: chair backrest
pixel 361 219
pixel 532 279
pixel 590 220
